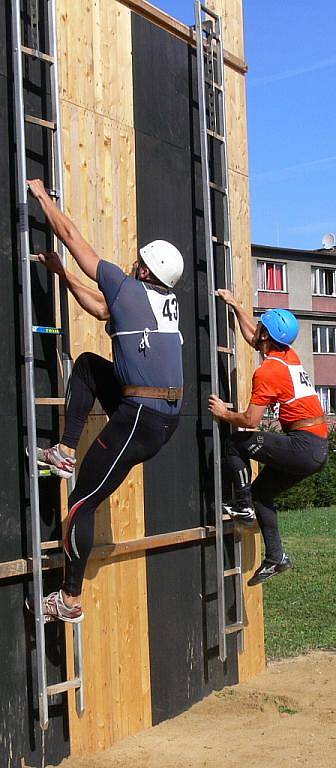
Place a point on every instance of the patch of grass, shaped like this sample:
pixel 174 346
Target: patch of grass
pixel 300 607
pixel 286 710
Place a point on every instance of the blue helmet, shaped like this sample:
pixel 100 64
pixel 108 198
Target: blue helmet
pixel 281 324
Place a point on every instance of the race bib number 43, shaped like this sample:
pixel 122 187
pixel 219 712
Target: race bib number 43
pixel 166 310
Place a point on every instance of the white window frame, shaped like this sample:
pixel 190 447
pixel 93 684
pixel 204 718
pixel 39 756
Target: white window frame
pixel 318 351
pixel 315 277
pixel 284 276
pixel 320 390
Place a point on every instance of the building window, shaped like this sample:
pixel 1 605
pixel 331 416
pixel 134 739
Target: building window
pixel 271 276
pixel 323 281
pixel 327 397
pixel 324 339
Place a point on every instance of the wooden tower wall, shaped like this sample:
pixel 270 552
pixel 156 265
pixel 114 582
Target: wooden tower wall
pixel 132 173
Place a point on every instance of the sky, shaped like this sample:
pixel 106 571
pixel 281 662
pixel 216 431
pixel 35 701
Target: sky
pixel 290 49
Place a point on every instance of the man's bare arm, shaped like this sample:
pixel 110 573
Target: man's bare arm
pixel 88 298
pixel 66 231
pixel 248 419
pixel 246 324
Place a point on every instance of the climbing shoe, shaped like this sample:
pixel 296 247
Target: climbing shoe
pixel 240 514
pixel 268 569
pixel 58 463
pixel 55 609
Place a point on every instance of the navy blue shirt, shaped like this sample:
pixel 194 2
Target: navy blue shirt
pixel 144 326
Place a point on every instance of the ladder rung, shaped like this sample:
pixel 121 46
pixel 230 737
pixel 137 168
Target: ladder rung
pixel 39 121
pixel 46 545
pixel 234 628
pixel 37 54
pixel 218 188
pixel 47 329
pixel 227 518
pixel 215 135
pixel 49 400
pixel 217 241
pixel 213 84
pixel 53 193
pixel 67 685
pixel 232 572
pixel 226 350
pixel 208 12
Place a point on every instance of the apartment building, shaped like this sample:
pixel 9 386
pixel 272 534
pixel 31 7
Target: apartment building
pixel 305 282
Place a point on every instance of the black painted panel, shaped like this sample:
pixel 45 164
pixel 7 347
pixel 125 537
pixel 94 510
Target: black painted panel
pixel 178 482
pixel 20 733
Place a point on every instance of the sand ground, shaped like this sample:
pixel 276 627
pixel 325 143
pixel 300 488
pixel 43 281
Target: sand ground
pixel 284 718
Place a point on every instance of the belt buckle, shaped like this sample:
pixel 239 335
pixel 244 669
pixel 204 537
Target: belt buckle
pixel 172 396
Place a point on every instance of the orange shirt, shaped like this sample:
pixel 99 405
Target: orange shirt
pixel 281 379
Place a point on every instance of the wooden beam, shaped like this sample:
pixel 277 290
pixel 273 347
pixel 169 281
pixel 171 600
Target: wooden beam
pixel 119 549
pixel 177 28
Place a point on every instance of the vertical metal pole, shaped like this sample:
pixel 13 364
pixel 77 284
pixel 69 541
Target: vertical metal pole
pixel 239 589
pixel 78 658
pixel 66 356
pixel 225 177
pixel 58 182
pixel 229 284
pixel 213 334
pixel 29 362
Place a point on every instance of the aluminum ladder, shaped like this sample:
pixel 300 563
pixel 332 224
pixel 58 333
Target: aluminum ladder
pixel 212 118
pixel 48 60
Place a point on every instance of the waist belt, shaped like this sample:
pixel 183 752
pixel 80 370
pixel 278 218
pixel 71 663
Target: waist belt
pixel 162 393
pixel 301 423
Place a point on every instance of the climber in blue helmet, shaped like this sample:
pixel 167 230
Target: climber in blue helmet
pixel 300 450
pixel 281 325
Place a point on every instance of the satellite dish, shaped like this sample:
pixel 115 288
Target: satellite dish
pixel 328 240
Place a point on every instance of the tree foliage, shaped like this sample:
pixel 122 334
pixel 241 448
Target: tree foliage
pixel 319 490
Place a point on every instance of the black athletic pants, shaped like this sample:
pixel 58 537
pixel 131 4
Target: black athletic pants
pixel 288 459
pixel 132 435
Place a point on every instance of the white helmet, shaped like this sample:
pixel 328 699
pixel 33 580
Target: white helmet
pixel 164 261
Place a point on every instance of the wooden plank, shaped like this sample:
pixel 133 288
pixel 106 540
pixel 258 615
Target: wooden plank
pixel 177 28
pixel 104 552
pixel 13 568
pixel 90 76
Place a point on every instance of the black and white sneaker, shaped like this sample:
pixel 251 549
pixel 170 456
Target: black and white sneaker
pixel 267 570
pixel 242 515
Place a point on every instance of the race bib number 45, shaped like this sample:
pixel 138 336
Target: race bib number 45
pixel 301 382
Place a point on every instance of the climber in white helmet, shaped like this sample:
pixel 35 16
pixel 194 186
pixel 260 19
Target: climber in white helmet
pixel 141 391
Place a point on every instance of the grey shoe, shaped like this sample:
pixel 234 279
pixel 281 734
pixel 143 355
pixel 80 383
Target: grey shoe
pixel 239 514
pixel 268 569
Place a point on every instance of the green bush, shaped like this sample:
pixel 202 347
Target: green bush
pixel 316 491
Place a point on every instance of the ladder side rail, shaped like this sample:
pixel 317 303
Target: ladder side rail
pixel 226 202
pixel 213 335
pixel 239 588
pixel 232 363
pixel 58 182
pixel 64 306
pixel 29 363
